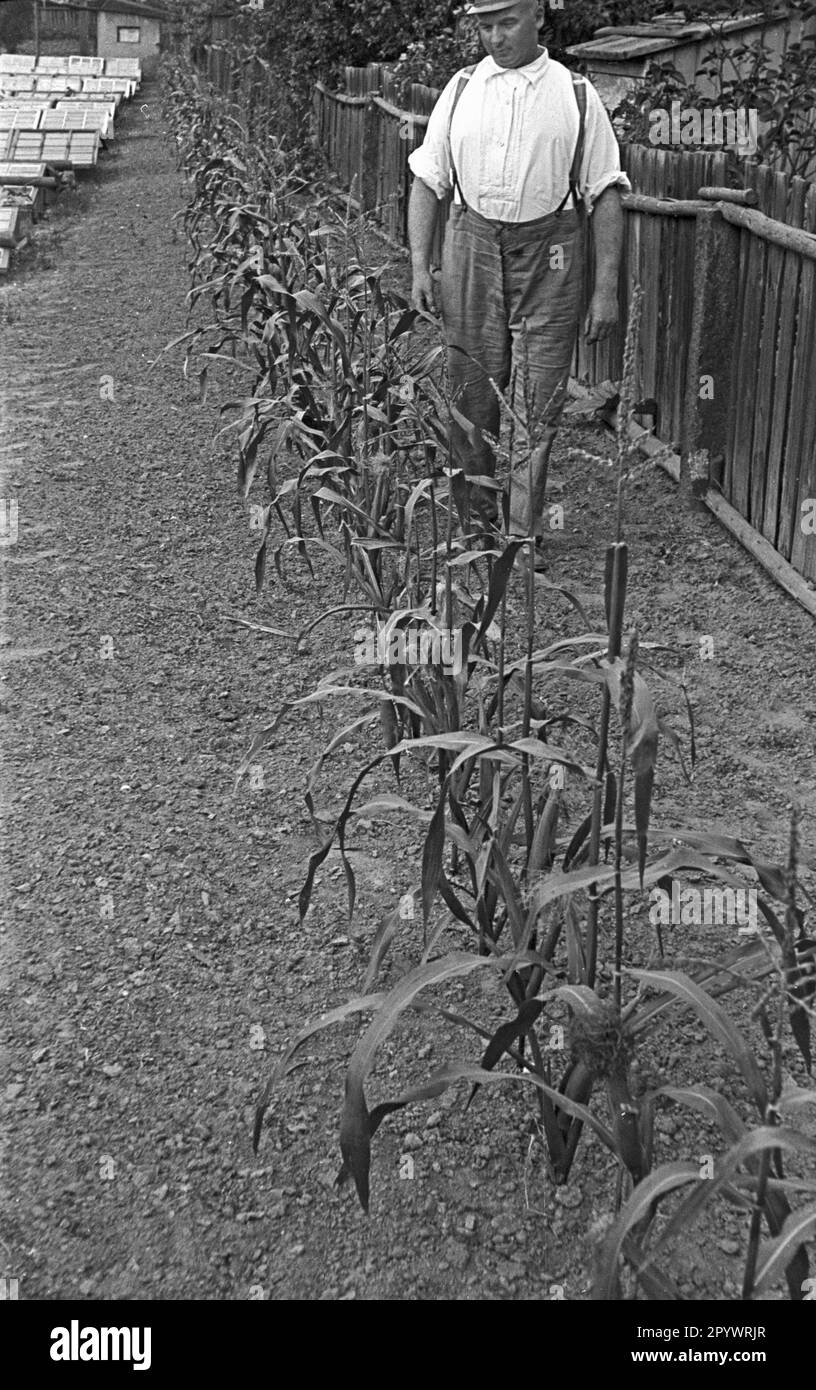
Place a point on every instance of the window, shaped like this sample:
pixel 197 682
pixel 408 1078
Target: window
pixel 129 35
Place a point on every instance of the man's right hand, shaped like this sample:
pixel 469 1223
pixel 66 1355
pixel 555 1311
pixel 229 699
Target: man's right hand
pixel 422 291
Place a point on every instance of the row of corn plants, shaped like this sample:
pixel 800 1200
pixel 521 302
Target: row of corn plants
pixel 538 843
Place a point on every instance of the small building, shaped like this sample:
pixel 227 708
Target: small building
pixel 129 29
pixel 618 57
pixel 99 28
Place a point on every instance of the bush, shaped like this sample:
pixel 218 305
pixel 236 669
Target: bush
pixel 15 24
pixel 779 89
pixel 434 61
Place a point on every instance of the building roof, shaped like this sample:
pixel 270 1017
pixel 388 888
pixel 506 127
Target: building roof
pixel 134 7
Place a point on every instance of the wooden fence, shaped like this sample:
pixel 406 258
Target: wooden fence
pixel 770 457
pixel 367 138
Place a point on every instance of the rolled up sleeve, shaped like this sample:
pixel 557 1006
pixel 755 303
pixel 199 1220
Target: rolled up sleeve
pixel 601 166
pixel 431 160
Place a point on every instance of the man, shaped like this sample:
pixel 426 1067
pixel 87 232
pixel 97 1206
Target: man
pixel 505 137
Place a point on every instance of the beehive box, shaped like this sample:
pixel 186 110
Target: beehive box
pixel 17 62
pixel 88 67
pixel 9 223
pixel 124 67
pixel 76 118
pixel 104 109
pixel 16 172
pixel 52 63
pixel 14 82
pixel 74 148
pixel 123 87
pixel 14 117
pixel 26 198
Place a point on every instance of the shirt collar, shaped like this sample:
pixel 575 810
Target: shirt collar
pixel 532 72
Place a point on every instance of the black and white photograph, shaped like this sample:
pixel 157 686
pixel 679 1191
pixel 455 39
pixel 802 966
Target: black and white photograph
pixel 408 669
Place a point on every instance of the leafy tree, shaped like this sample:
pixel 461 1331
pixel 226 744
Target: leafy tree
pixel 421 40
pixel 16 23
pixel 190 19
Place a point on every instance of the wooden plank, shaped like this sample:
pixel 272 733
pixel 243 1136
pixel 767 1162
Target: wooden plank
pixel 638 256
pixel 803 545
pixel 659 285
pixel 767 386
pixel 672 346
pixel 394 146
pixel 698 169
pixel 342 160
pixel 802 329
pixel 775 526
pixel 747 366
pixel 734 403
pixel 634 249
pixel 693 170
pixel 645 358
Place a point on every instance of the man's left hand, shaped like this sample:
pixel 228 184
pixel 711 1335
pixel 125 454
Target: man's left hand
pixel 603 315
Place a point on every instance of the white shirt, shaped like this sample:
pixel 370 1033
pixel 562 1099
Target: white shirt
pixel 513 139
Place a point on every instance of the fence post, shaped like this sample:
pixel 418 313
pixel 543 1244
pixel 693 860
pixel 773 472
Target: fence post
pixel 709 398
pixel 369 182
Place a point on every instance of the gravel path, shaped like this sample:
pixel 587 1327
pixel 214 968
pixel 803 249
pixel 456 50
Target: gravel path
pixel 153 963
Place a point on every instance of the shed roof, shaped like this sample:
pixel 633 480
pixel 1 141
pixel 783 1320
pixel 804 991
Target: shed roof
pixel 134 7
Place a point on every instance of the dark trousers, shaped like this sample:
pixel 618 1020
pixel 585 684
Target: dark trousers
pixel 498 277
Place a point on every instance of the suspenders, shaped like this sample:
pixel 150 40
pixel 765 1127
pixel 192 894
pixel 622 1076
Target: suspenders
pixel 579 88
pixel 460 87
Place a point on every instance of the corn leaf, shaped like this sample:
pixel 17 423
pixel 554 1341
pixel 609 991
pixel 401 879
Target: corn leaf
pixel 777 1254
